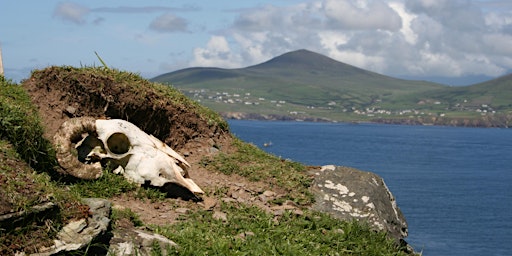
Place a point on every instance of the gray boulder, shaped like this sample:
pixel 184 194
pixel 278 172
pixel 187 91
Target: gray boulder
pixel 349 194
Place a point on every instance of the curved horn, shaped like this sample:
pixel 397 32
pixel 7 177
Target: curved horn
pixel 71 132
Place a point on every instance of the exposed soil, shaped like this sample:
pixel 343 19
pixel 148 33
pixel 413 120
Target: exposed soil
pixel 62 93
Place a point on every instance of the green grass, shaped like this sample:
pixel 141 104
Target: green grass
pixel 20 125
pixel 257 165
pixel 128 214
pixel 111 185
pixel 250 231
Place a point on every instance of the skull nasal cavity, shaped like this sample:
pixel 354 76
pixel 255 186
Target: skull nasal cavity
pixel 118 143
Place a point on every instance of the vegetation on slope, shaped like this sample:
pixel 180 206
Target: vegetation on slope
pixel 22 191
pixel 250 231
pixel 27 178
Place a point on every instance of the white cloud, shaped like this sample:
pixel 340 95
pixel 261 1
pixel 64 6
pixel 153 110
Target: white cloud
pixel 345 14
pixel 407 18
pixel 169 22
pixel 217 53
pixel 393 37
pixel 71 12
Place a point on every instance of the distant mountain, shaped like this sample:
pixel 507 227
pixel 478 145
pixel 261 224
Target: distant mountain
pixel 307 84
pixel 302 77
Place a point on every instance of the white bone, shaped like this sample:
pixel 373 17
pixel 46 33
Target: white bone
pixel 138 156
pixel 149 158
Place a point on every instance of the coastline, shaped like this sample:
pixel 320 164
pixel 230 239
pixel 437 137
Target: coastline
pixel 498 121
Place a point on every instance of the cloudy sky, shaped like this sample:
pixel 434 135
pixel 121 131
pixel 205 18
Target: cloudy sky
pixel 454 41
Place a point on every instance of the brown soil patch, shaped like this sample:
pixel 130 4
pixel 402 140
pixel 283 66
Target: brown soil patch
pixel 61 93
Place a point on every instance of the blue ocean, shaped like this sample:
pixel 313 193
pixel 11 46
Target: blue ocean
pixel 453 184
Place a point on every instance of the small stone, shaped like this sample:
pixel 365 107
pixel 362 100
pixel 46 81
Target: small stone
pixel 218 215
pixel 278 212
pixel 269 193
pixel 70 111
pixel 209 203
pixel 245 234
pixel 182 210
pixel 118 207
pixel 290 203
pixel 283 207
pixel 213 150
pixel 339 231
pixel 238 184
pixel 228 200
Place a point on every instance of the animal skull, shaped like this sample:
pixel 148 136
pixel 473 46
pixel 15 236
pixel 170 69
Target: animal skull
pixel 138 156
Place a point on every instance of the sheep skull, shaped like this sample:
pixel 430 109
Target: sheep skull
pixel 138 156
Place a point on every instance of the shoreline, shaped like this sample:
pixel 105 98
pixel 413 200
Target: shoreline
pixel 484 122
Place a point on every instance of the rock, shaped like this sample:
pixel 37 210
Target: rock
pixel 269 193
pixel 10 220
pixel 209 203
pixel 132 241
pixel 218 215
pixel 81 233
pixel 245 234
pixel 182 210
pixel 348 194
pixel 70 111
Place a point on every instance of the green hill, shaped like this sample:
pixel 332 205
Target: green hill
pixel 303 84
pixel 495 94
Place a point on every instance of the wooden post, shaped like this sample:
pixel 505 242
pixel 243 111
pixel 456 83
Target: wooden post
pixel 1 65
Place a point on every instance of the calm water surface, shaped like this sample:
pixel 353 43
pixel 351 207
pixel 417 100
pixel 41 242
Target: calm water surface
pixel 454 185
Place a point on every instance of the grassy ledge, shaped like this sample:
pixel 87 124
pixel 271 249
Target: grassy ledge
pixel 27 179
pixel 250 231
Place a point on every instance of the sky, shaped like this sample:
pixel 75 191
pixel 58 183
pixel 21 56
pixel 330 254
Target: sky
pixel 456 42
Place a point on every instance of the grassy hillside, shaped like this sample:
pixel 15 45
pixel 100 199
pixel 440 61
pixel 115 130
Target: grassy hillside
pixel 28 178
pixel 305 81
pixel 496 94
pixel 307 84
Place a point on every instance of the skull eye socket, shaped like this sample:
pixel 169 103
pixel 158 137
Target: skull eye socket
pixel 118 143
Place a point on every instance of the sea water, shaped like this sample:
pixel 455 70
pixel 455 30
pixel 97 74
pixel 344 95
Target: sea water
pixel 453 184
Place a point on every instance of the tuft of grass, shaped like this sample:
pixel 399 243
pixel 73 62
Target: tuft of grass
pixel 128 214
pixel 107 186
pixel 251 231
pixel 101 60
pixel 257 165
pixel 20 125
pixel 111 185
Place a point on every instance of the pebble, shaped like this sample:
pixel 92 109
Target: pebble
pixel 182 210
